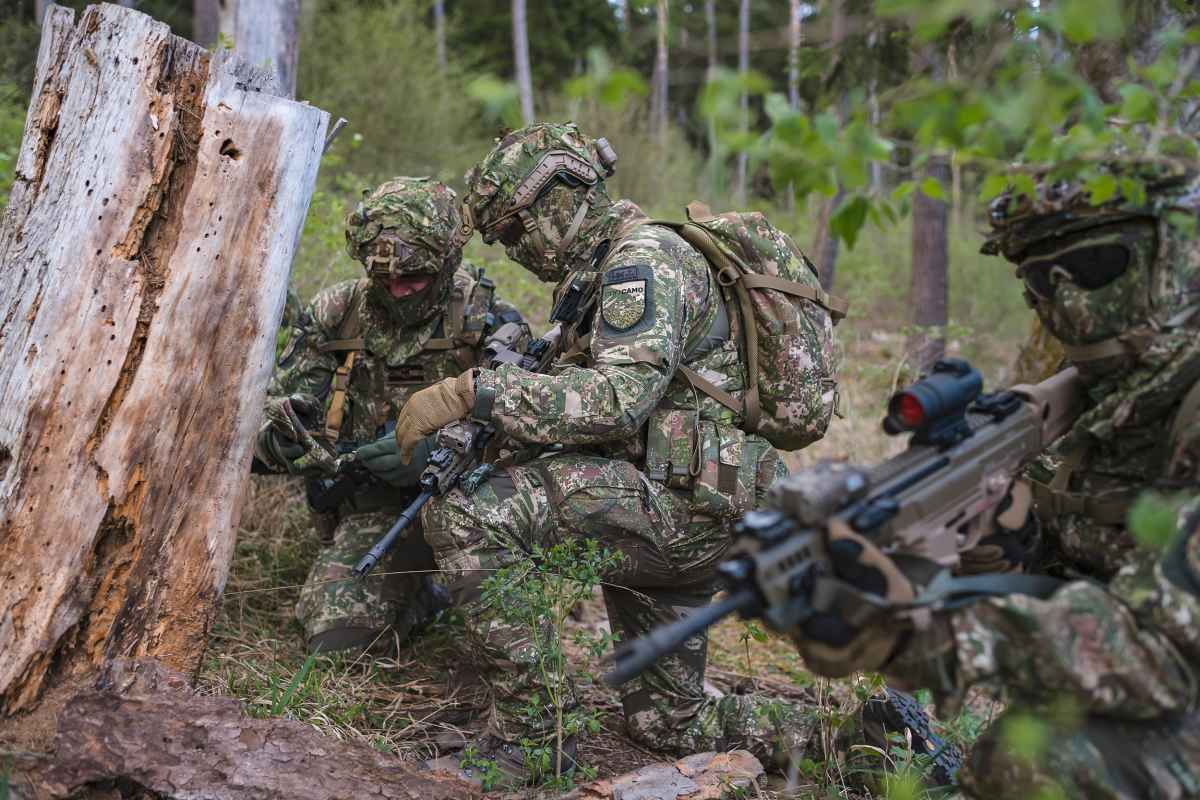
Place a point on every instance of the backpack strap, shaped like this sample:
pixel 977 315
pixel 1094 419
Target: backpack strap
pixel 349 341
pixel 836 306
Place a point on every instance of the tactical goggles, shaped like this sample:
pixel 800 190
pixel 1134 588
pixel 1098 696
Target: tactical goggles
pixel 1090 267
pixel 555 165
pixel 387 256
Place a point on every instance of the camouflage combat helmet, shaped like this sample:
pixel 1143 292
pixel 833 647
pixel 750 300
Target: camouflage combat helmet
pixel 533 192
pixel 1105 278
pixel 405 227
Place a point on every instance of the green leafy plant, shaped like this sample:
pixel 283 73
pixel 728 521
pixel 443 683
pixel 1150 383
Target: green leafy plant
pixel 536 595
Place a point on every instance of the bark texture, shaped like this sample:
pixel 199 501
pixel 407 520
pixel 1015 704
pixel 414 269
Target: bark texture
pixel 702 776
pixel 265 33
pixel 159 198
pixel 141 732
pixel 928 290
pixel 521 60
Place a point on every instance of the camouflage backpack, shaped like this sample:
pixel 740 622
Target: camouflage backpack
pixel 785 320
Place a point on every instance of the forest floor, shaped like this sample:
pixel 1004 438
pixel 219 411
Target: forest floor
pixel 414 699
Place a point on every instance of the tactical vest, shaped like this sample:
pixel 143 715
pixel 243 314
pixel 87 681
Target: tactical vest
pixel 460 331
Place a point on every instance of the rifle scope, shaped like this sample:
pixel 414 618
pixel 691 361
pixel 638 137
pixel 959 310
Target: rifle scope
pixel 934 408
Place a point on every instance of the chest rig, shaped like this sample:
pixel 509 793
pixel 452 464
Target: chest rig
pixel 458 333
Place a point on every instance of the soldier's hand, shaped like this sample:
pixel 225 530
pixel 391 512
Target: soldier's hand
pixel 382 459
pixel 857 633
pixel 432 408
pixel 1013 543
pixel 276 450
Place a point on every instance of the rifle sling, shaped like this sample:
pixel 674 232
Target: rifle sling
pixel 948 591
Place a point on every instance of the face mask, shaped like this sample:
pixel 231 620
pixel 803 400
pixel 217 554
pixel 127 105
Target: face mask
pixel 1093 286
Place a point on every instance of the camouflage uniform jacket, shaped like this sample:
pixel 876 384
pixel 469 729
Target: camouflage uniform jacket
pixel 615 391
pixel 391 362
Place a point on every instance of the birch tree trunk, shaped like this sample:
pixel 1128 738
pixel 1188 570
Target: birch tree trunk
pixel 439 32
pixel 744 100
pixel 825 244
pixel 715 159
pixel 928 289
pixel 206 22
pixel 521 57
pixel 795 39
pixel 146 274
pixel 265 33
pixel 661 69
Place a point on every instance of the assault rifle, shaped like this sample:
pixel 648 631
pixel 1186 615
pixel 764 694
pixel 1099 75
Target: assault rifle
pixel 933 501
pixel 461 445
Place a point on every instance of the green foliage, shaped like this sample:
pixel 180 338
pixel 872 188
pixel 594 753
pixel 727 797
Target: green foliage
pixel 536 596
pixel 1153 520
pixel 12 121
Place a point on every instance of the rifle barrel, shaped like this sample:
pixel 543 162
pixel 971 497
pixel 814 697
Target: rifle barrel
pixel 635 656
pixel 368 562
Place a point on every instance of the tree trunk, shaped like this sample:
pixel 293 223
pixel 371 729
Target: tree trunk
pixel 206 22
pixel 521 57
pixel 743 101
pixel 142 729
pixel 928 290
pixel 265 33
pixel 795 39
pixel 439 31
pixel 39 9
pixel 715 166
pixel 147 274
pixel 825 244
pixel 660 69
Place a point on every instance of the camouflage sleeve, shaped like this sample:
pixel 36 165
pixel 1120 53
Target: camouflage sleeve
pixel 636 344
pixel 1130 650
pixel 303 368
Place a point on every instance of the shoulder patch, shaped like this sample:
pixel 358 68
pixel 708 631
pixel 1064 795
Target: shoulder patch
pixel 627 299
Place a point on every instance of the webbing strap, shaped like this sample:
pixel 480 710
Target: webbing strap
pixel 1050 502
pixel 1107 348
pixel 949 591
pixel 337 403
pixel 836 306
pixel 440 344
pixel 702 384
pixel 335 345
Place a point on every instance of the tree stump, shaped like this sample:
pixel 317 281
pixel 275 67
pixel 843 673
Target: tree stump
pixel 159 198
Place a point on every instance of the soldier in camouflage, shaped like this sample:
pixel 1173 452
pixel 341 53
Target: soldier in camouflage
pixel 1109 665
pixel 355 356
pixel 650 467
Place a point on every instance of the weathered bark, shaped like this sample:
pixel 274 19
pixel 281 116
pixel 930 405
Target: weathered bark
pixel 702 776
pixel 521 60
pixel 928 289
pixel 265 33
pixel 743 101
pixel 206 22
pixel 158 200
pixel 141 728
pixel 659 94
pixel 439 32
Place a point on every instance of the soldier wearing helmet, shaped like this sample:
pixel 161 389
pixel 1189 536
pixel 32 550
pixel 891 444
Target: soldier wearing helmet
pixel 1109 665
pixel 650 467
pixel 356 354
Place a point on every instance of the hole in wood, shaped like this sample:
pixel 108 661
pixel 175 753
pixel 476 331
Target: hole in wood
pixel 228 149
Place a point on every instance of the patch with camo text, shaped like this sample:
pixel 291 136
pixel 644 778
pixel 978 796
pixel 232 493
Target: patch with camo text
pixel 627 299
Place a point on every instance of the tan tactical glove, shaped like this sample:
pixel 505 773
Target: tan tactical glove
pixel 1012 544
pixel 432 408
pixel 855 633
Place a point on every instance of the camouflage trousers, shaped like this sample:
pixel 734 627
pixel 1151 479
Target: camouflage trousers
pixel 339 611
pixel 668 556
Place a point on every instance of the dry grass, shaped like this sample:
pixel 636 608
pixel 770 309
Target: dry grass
pixel 410 700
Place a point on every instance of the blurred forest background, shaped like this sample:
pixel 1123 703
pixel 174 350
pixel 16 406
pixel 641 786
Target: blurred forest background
pixel 876 132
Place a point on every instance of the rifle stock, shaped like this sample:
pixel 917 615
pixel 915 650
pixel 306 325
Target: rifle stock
pixel 932 502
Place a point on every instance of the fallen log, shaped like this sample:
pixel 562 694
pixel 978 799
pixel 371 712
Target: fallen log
pixel 142 730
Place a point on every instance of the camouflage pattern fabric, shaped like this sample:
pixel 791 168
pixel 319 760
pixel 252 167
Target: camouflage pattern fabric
pixel 1115 679
pixel 667 559
pixel 356 612
pixel 407 226
pixel 653 469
